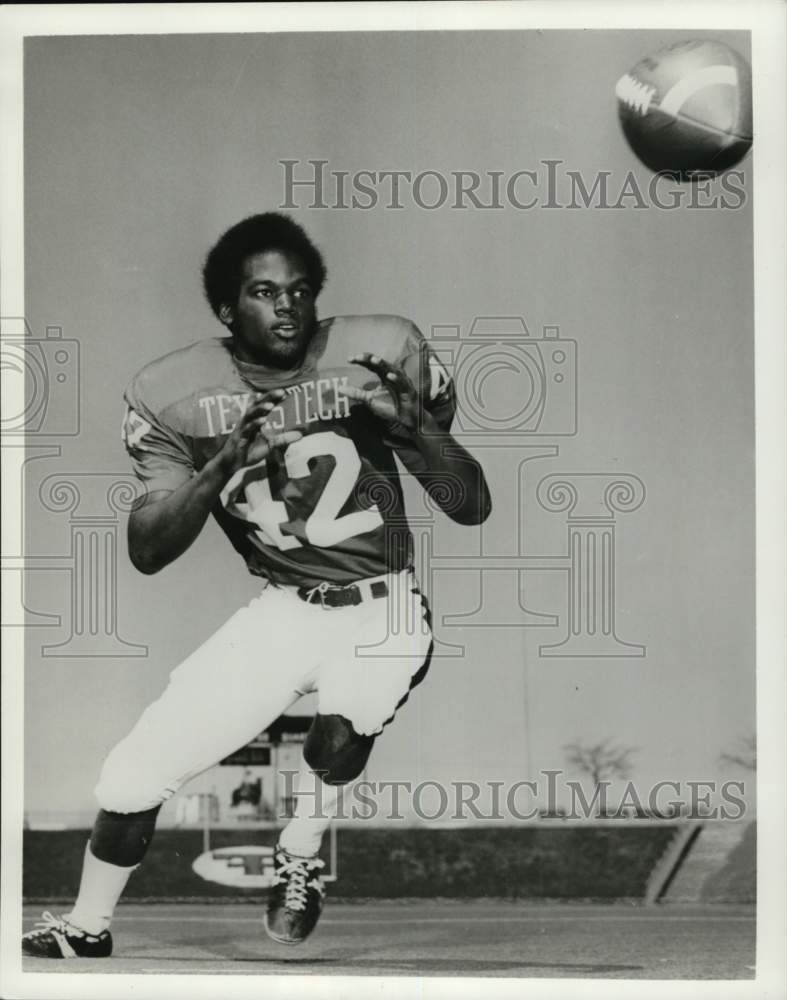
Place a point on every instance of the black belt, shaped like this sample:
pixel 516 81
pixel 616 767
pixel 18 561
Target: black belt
pixel 331 595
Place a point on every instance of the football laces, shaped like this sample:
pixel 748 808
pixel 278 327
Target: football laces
pixel 636 94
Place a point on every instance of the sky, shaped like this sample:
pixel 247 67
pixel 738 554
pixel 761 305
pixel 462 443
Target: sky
pixel 140 151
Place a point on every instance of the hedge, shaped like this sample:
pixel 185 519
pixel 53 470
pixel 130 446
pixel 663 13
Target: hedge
pixel 571 862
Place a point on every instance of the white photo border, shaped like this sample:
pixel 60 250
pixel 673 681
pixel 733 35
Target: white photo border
pixel 767 22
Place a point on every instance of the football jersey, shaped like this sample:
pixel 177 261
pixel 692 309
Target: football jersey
pixel 328 507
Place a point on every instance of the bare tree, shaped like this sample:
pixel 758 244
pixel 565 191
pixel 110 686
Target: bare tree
pixel 745 756
pixel 602 762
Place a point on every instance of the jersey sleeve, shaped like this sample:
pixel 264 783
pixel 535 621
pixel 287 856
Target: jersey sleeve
pixel 430 376
pixel 160 456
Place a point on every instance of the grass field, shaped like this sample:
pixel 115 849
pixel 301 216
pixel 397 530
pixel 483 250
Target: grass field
pixel 435 938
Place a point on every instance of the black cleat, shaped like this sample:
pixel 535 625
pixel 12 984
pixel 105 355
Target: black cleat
pixel 296 898
pixel 55 937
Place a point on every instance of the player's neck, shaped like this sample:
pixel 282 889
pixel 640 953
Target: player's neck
pixel 266 363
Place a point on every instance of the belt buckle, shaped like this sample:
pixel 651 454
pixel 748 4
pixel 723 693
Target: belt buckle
pixel 319 593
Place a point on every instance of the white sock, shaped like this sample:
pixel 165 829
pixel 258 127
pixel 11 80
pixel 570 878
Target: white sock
pixel 315 807
pixel 101 887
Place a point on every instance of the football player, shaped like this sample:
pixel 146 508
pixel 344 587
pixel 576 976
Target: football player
pixel 287 431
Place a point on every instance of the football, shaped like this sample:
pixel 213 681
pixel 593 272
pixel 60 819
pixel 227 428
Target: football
pixel 686 109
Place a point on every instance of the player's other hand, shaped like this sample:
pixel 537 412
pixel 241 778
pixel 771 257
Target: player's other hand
pixel 252 439
pixel 395 401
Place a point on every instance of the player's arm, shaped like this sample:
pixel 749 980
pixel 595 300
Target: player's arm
pixel 452 477
pixel 447 471
pixel 164 524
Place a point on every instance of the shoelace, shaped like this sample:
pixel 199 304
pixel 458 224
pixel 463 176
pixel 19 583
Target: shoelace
pixel 50 922
pixel 298 870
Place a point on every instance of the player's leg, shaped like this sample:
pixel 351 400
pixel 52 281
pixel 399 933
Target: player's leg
pixel 216 700
pixel 333 755
pixel 386 654
pixel 378 653
pixel 117 845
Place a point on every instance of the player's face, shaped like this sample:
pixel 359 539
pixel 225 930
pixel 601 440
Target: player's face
pixel 274 317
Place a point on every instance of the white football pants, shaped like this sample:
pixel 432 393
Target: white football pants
pixel 361 660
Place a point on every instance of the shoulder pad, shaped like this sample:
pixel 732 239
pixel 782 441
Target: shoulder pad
pixel 181 373
pixel 387 336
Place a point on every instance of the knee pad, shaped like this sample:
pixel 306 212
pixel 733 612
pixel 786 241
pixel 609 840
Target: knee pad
pixel 122 839
pixel 335 751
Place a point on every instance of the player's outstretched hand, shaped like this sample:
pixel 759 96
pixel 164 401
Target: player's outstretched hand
pixel 395 400
pixel 252 439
